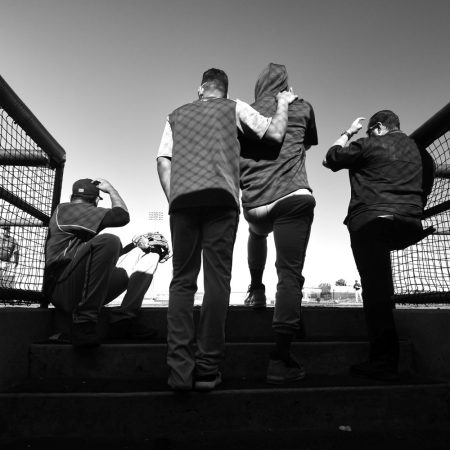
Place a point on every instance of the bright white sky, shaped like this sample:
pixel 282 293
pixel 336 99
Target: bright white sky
pixel 102 75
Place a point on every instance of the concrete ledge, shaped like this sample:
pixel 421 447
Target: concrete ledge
pixel 427 329
pixel 429 333
pixel 243 361
pixel 168 415
pixel 19 327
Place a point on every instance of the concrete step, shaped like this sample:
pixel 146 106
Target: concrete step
pixel 243 361
pixel 414 439
pixel 225 415
pixel 245 324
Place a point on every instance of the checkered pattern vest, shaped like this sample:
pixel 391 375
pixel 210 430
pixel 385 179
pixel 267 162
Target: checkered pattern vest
pixel 205 152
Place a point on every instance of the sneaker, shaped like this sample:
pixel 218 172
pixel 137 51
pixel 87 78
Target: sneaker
pixel 377 370
pixel 256 297
pixel 281 372
pixel 128 329
pixel 84 335
pixel 207 382
pixel 60 338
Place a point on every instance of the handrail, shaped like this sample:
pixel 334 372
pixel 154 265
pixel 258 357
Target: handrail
pixel 15 107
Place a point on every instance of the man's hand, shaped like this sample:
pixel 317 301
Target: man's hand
pixel 278 125
pixel 348 134
pixel 356 125
pixel 103 185
pixel 287 96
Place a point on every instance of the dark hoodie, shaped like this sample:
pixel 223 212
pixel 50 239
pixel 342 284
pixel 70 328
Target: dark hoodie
pixel 267 172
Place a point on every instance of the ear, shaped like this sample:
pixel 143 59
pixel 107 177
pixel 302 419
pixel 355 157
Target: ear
pixel 200 91
pixel 377 128
pixel 382 130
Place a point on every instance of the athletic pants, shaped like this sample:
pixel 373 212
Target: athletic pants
pixel 97 275
pixel 371 247
pixel 290 219
pixel 211 231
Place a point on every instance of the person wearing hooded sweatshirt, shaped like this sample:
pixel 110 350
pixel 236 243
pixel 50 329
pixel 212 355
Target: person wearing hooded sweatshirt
pixel 276 197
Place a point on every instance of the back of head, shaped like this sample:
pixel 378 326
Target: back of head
pixel 387 118
pixel 85 190
pixel 273 79
pixel 215 79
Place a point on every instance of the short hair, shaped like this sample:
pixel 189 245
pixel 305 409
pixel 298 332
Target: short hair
pixel 91 200
pixel 216 78
pixel 387 118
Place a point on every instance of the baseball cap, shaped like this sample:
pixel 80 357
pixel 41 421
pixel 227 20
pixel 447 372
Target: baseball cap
pixel 85 188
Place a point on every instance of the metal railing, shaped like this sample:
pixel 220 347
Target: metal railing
pixel 31 172
pixel 421 272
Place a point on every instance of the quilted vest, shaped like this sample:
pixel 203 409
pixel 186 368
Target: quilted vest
pixel 205 152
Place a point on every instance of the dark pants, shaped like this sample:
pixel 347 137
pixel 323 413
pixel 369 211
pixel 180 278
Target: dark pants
pixel 290 219
pixel 371 247
pixel 91 279
pixel 213 232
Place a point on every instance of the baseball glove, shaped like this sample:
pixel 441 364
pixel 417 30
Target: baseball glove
pixel 153 242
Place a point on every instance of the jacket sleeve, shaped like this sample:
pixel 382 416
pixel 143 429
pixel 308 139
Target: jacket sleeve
pixel 344 157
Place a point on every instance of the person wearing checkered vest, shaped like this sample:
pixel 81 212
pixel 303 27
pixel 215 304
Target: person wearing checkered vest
pixel 198 166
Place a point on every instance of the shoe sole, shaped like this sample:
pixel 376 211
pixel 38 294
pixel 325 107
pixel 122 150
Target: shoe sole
pixel 207 385
pixel 282 380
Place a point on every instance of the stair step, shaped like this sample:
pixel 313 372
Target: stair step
pixel 147 361
pixel 269 439
pixel 127 385
pixel 226 412
pixel 244 323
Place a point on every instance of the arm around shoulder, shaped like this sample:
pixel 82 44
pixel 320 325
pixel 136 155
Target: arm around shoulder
pixel 278 125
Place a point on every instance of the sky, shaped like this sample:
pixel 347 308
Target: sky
pixel 102 75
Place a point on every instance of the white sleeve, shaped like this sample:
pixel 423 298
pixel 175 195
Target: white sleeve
pixel 250 118
pixel 166 144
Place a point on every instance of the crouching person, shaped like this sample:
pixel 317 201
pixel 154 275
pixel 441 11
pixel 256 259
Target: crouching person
pixel 85 270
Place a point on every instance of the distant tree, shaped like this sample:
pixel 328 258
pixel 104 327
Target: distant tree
pixel 326 288
pixel 341 282
pixel 325 292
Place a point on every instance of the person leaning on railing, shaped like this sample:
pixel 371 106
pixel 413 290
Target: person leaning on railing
pixel 390 178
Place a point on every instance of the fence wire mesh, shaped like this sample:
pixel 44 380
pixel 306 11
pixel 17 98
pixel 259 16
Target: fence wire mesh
pixel 421 273
pixel 27 186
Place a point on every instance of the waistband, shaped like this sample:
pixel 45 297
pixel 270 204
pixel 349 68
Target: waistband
pixel 269 206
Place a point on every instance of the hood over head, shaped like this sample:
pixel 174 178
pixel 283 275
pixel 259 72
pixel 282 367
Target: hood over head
pixel 273 79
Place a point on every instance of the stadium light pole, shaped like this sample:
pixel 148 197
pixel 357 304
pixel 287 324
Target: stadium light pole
pixel 155 216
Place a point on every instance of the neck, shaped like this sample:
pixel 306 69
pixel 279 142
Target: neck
pixel 212 94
